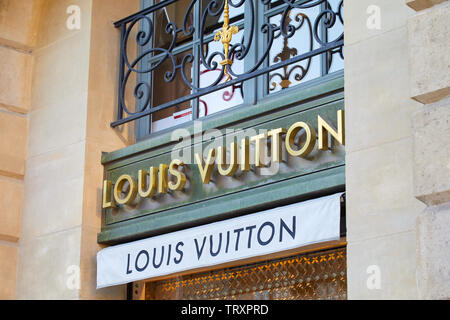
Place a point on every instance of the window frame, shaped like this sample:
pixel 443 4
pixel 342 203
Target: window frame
pixel 253 95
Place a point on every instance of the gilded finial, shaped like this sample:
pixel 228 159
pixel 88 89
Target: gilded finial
pixel 225 35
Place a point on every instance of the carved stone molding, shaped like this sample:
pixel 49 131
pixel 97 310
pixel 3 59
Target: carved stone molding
pixel 429 62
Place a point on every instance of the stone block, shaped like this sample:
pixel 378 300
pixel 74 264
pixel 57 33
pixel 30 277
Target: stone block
pixel 54 20
pixel 11 198
pixel 15 80
pixel 429 61
pixel 382 268
pixel 60 72
pixel 432 153
pixel 88 276
pixel 8 272
pixel 433 240
pixel 422 4
pixel 49 266
pixel 59 95
pixel 18 23
pixel 360 18
pixel 13 144
pixel 53 192
pixel 376 86
pixel 379 181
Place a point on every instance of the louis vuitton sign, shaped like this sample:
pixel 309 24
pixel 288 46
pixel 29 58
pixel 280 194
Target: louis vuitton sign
pixel 244 155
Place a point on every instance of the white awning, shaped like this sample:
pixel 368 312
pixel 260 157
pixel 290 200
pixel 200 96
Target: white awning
pixel 257 234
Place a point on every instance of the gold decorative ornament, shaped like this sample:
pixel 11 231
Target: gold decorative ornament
pixel 226 35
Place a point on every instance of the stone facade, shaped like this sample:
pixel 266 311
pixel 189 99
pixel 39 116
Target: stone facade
pixel 17 37
pixel 397 148
pixel 381 207
pixel 55 108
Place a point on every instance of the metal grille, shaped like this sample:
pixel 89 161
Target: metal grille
pixel 313 276
pixel 275 39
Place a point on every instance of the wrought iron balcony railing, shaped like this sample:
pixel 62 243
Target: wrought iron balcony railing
pixel 233 43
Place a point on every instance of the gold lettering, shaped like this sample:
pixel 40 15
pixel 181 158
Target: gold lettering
pixel 143 190
pixel 222 158
pixel 277 150
pixel 260 141
pixel 207 168
pixel 107 201
pixel 180 176
pixel 245 155
pixel 118 189
pixel 157 179
pixel 324 128
pixel 309 143
pixel 163 178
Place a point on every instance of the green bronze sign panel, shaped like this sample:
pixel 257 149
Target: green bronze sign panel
pixel 248 163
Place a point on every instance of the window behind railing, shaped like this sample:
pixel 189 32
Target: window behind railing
pixel 177 63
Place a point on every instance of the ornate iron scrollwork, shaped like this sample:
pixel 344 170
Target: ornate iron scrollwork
pixel 225 35
pixel 149 57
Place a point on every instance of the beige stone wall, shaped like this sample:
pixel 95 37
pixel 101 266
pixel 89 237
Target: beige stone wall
pixel 63 84
pixel 8 270
pixel 381 207
pixel 428 43
pixel 49 250
pixel 16 79
pixel 18 23
pixel 100 137
pixel 397 150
